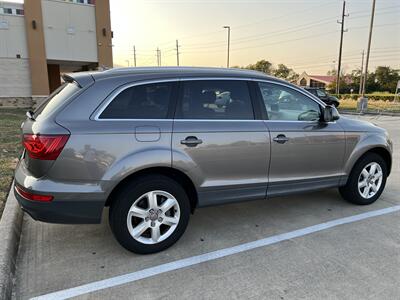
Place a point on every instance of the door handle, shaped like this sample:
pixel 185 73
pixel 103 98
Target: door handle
pixel 280 139
pixel 191 141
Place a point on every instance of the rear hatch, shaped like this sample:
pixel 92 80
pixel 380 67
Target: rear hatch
pixel 42 138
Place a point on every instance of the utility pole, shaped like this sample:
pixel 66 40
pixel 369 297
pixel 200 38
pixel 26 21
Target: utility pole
pixel 369 48
pixel 340 47
pixel 134 55
pixel 177 53
pixel 361 73
pixel 229 42
pixel 158 57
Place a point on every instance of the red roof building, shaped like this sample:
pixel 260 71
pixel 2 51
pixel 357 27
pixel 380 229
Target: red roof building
pixel 318 81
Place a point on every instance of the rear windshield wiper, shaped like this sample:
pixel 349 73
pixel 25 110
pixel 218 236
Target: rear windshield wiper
pixel 29 114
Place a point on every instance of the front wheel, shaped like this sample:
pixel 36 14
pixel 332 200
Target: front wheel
pixel 149 214
pixel 366 181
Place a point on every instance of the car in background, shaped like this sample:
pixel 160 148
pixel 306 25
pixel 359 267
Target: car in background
pixel 323 95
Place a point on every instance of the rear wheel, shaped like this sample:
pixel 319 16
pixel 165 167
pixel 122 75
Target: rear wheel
pixel 366 181
pixel 149 214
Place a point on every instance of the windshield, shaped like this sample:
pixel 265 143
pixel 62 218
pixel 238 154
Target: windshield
pixel 64 92
pixel 321 93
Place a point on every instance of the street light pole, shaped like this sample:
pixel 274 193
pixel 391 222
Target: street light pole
pixel 229 42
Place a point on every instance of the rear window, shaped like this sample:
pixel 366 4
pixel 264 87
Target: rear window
pixel 148 101
pixel 61 94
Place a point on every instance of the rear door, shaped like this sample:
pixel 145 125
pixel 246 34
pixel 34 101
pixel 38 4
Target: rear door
pixel 305 152
pixel 219 143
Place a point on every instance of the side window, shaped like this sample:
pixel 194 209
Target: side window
pixel 148 101
pixel 215 99
pixel 287 104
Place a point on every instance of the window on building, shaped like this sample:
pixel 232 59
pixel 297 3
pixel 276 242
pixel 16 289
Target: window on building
pixel 149 101
pixel 216 100
pixel 7 11
pixel 303 82
pixel 19 12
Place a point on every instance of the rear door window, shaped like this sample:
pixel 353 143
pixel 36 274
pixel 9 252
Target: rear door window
pixel 61 94
pixel 215 100
pixel 147 101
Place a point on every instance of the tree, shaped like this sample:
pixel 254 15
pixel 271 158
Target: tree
pixel 262 65
pixel 286 73
pixel 282 71
pixel 386 78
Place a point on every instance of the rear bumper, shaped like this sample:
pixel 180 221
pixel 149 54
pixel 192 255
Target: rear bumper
pixel 73 203
pixel 79 212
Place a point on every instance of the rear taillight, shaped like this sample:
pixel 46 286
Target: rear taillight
pixel 45 147
pixel 33 197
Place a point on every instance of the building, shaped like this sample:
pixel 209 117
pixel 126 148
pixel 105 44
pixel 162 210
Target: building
pixel 41 39
pixel 318 81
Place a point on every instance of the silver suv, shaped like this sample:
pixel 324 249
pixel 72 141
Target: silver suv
pixel 153 144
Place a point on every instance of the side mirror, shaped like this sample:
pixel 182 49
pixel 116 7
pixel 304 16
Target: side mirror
pixel 330 114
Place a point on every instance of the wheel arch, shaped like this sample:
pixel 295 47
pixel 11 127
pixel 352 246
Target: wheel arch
pixel 177 175
pixel 381 151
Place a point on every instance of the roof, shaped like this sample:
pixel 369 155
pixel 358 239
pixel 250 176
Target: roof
pixel 184 71
pixel 324 78
pixel 139 73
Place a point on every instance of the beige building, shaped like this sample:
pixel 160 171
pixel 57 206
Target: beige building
pixel 317 81
pixel 41 39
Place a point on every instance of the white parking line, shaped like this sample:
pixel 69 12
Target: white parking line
pixel 194 260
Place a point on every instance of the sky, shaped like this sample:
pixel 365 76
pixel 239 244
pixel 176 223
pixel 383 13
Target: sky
pixel 302 34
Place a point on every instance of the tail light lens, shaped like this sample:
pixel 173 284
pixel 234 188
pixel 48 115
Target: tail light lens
pixel 33 197
pixel 44 147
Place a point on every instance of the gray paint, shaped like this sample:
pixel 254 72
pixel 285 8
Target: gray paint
pixel 238 159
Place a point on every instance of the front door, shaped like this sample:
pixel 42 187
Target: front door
pixel 305 152
pixel 218 143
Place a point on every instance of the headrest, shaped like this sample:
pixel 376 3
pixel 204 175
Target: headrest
pixel 208 97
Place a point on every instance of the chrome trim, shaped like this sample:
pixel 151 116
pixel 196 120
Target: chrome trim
pixel 120 89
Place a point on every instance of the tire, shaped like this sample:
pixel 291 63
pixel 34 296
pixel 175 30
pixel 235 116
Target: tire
pixel 351 191
pixel 134 198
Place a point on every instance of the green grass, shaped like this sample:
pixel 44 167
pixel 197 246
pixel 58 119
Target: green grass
pixel 10 148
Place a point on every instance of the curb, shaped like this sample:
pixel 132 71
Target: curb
pixel 10 232
pixel 350 112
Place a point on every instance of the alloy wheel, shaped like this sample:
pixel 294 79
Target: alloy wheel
pixel 153 217
pixel 370 180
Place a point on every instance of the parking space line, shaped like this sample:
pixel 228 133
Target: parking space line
pixel 194 260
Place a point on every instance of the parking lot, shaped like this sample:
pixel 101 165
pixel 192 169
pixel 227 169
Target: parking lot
pixel 356 260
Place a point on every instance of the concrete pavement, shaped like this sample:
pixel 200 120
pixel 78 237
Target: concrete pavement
pixel 354 261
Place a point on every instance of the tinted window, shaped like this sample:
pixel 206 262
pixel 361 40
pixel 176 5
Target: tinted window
pixel 283 103
pixel 215 99
pixel 149 101
pixel 61 94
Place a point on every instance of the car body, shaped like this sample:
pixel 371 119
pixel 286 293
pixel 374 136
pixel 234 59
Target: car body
pixel 324 96
pixel 90 144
